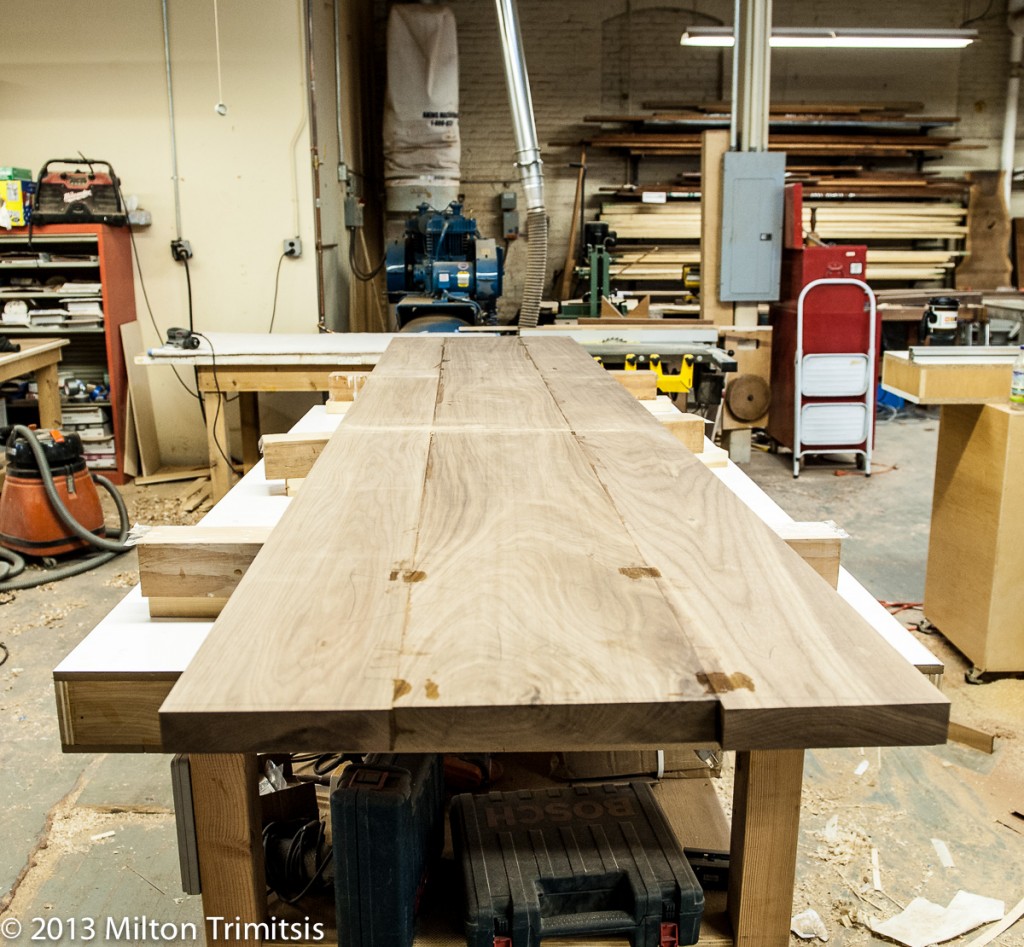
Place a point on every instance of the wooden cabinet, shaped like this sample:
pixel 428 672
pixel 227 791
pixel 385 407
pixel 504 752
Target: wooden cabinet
pixel 974 590
pixel 64 264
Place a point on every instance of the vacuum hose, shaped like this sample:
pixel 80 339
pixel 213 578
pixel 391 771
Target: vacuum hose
pixel 527 159
pixel 14 563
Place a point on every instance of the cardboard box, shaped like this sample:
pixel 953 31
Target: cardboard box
pixel 17 201
pixel 8 173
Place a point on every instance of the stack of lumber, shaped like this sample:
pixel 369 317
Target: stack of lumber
pixel 885 220
pixel 658 230
pixel 862 130
pixel 825 182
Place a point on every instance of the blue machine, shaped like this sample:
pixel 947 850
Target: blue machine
pixel 444 274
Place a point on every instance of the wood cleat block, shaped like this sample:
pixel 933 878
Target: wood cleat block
pixel 190 571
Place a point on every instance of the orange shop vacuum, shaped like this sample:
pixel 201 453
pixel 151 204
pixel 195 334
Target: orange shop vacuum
pixel 50 507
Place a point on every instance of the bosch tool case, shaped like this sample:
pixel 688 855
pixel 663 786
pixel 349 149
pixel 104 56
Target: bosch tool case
pixel 573 861
pixel 387 817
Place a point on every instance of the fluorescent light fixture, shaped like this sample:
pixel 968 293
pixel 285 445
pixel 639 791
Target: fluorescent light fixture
pixel 839 38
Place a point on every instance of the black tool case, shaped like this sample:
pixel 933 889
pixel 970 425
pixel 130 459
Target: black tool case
pixel 387 818
pixel 573 861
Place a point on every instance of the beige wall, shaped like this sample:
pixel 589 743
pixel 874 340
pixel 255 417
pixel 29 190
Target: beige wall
pixel 90 77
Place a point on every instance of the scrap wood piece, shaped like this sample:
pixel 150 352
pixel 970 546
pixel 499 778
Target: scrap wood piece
pixel 344 386
pixel 196 562
pixel 969 736
pixel 1016 913
pixel 642 384
pixel 291 455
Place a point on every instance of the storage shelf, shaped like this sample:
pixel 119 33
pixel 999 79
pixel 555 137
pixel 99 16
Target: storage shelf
pixel 49 265
pixel 97 254
pixel 49 330
pixel 49 294
pixel 40 238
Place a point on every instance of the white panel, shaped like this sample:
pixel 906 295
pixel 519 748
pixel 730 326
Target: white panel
pixel 834 376
pixel 833 424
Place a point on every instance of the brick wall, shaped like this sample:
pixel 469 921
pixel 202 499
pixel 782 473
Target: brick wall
pixel 612 56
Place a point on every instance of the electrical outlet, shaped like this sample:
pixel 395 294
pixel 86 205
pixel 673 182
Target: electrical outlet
pixel 353 212
pixel 181 250
pixel 293 247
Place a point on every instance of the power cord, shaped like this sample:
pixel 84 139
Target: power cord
pixel 362 276
pixel 221 399
pixel 277 284
pixel 286 847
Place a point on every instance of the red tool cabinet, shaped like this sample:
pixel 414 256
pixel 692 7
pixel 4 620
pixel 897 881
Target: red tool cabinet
pixel 826 335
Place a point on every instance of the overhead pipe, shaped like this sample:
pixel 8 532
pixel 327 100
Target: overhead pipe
pixel 1015 21
pixel 527 159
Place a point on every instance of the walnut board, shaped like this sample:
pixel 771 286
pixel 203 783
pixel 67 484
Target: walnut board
pixel 487 557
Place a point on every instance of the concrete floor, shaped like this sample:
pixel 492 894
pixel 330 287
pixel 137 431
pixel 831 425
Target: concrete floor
pixel 56 860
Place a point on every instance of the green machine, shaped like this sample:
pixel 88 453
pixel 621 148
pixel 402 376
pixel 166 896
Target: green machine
pixel 599 240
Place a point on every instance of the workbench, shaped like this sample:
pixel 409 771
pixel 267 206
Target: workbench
pixel 244 364
pixel 38 357
pixel 973 589
pixel 785 662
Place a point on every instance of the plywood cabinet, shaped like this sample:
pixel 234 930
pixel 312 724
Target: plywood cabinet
pixel 974 590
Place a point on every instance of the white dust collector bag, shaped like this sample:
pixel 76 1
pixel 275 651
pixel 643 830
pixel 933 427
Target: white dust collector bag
pixel 421 108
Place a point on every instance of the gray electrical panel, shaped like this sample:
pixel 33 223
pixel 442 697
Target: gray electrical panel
pixel 752 198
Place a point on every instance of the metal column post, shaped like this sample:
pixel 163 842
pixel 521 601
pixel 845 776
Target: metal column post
pixel 752 74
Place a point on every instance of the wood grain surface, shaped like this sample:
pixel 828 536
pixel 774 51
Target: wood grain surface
pixel 501 549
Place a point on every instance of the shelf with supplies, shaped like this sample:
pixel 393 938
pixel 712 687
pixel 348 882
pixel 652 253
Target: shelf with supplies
pixel 6 329
pixel 75 281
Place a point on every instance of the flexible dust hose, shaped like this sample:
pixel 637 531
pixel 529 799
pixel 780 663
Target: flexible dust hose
pixel 536 268
pixel 527 159
pixel 15 564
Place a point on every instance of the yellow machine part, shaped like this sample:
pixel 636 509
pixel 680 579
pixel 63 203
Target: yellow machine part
pixel 667 384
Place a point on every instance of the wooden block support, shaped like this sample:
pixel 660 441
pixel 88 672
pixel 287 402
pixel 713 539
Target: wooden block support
pixel 818 544
pixel 228 836
pixel 192 570
pixel 344 386
pixel 688 429
pixel 765 827
pixel 712 455
pixel 642 385
pixel 287 456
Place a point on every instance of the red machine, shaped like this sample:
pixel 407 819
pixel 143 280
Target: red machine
pixel 826 336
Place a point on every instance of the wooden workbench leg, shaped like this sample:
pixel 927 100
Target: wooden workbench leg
pixel 225 800
pixel 216 442
pixel 249 410
pixel 765 827
pixel 49 397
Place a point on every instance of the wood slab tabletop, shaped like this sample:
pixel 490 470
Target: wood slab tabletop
pixel 500 549
pixel 30 347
